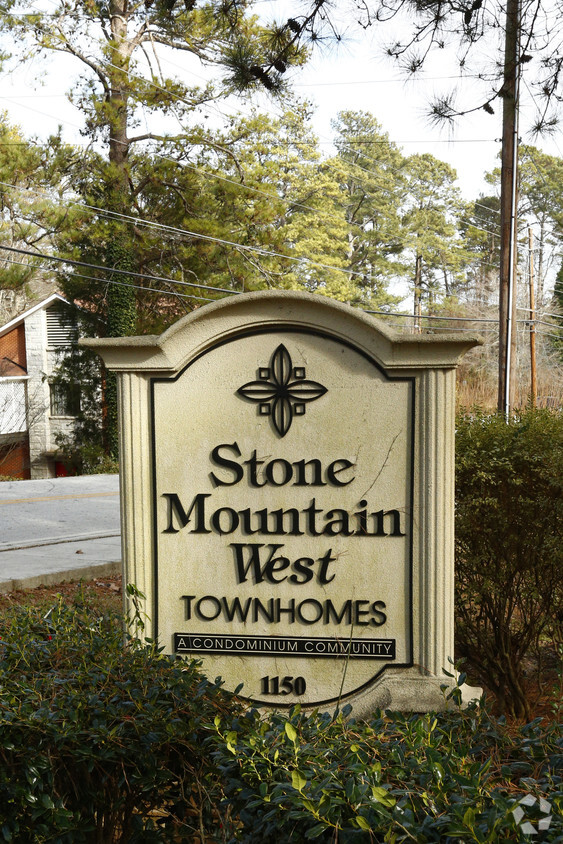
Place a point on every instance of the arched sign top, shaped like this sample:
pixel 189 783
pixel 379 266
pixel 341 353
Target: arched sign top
pixel 229 316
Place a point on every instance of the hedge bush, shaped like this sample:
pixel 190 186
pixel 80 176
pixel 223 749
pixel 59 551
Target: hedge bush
pixel 105 740
pixel 451 777
pixel 509 550
pixel 101 740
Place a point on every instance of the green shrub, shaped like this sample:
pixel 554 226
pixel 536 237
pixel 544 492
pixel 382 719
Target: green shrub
pixel 509 549
pixel 449 777
pixel 85 458
pixel 101 740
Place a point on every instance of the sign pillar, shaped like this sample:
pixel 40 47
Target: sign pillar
pixel 287 499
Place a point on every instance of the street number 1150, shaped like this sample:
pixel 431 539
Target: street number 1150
pixel 283 685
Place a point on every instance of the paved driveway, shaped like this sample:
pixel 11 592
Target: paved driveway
pixel 57 529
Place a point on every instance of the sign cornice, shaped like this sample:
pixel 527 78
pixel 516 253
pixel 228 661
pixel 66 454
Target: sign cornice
pixel 171 350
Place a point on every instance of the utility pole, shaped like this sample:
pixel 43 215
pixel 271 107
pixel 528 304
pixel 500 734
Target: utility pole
pixel 508 207
pixel 533 380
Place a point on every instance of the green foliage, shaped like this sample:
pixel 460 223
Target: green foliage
pixel 121 297
pixel 509 547
pixel 481 231
pixel 540 203
pixel 265 209
pixel 104 740
pixel 370 169
pixel 431 215
pixel 101 738
pixel 33 177
pixel 82 457
pixel 448 777
pixel 122 87
pixel 80 371
pixel 557 329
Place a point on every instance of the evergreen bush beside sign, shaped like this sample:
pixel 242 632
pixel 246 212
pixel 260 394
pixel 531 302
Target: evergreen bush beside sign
pixel 287 483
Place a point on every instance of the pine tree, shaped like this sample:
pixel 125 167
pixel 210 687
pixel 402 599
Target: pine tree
pixel 115 43
pixel 373 181
pixel 34 177
pixel 431 212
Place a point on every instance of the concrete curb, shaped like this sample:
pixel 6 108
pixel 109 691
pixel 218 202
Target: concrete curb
pixel 53 577
pixel 39 543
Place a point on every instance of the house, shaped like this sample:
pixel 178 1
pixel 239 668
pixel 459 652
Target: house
pixel 33 407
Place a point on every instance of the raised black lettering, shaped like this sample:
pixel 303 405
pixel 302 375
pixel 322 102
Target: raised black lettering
pixel 358 612
pixel 283 477
pixel 362 517
pixel 339 524
pixel 331 616
pixel 396 522
pixel 379 519
pixel 253 563
pixel 215 603
pixel 289 610
pixel 231 465
pixel 323 569
pixel 236 609
pixel 187 599
pixel 274 565
pixel 302 569
pixel 268 613
pixel 317 609
pixel 280 516
pixel 253 464
pixel 232 517
pixel 311 512
pixel 315 477
pixel 335 469
pixel 379 617
pixel 175 509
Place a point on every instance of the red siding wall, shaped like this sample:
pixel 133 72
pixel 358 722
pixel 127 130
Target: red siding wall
pixel 14 460
pixel 12 348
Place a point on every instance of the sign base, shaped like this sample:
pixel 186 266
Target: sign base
pixel 407 691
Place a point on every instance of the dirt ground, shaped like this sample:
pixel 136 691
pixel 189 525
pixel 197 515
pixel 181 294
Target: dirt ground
pixel 103 592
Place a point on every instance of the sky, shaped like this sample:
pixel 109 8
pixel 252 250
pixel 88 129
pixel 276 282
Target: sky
pixel 353 75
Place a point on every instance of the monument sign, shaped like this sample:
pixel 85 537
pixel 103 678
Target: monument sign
pixel 287 498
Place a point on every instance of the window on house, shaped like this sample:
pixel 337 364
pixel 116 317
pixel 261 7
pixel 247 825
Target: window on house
pixel 65 399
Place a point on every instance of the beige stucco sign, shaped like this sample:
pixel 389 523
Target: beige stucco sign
pixel 287 483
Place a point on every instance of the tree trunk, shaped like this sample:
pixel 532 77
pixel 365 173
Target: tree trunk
pixel 121 297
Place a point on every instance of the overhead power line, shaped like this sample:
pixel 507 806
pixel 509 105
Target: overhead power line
pixel 184 232
pixel 225 292
pixel 99 267
pixel 420 316
pixel 241 186
pixel 120 283
pixel 545 313
pixel 139 221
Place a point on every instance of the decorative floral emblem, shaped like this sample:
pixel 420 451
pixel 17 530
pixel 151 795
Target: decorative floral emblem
pixel 281 390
